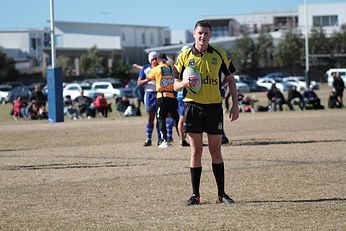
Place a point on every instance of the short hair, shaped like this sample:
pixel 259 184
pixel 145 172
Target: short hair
pixel 203 23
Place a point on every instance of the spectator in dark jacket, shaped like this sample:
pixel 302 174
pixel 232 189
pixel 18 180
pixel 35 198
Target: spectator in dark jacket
pixel 295 98
pixel 38 96
pixel 85 105
pixel 276 98
pixel 312 101
pixel 339 87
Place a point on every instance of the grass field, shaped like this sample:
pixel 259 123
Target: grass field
pixel 285 170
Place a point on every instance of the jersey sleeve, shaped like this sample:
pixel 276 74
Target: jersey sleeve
pixel 142 74
pixel 152 74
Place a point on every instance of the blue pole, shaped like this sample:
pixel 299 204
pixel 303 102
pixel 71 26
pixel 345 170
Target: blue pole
pixel 55 98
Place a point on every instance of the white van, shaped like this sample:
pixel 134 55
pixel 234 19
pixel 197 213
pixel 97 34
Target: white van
pixel 330 75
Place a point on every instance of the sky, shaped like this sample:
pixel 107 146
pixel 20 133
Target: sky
pixel 177 14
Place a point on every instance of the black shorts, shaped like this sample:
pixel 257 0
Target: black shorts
pixel 199 118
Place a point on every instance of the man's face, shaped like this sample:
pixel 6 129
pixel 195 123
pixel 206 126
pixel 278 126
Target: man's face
pixel 202 35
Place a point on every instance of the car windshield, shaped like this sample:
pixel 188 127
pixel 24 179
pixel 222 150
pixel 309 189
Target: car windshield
pixel 86 87
pixel 101 86
pixel 116 85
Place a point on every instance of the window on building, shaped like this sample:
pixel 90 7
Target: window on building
pixel 39 42
pixel 58 40
pixel 327 20
pixel 33 43
pixel 123 38
pixel 152 39
pixel 143 38
pixel 220 31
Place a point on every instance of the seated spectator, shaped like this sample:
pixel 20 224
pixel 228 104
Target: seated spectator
pixel 35 112
pixel 246 103
pixel 19 108
pixel 85 105
pixel 101 105
pixel 312 101
pixel 70 109
pixel 276 98
pixel 295 98
pixel 333 100
pixel 38 96
pixel 125 108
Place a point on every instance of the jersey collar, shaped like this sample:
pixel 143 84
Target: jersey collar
pixel 195 51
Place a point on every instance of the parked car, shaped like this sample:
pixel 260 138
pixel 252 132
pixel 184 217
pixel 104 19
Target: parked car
pixel 110 92
pixel 74 90
pixel 268 82
pixel 300 83
pixel 253 86
pixel 275 75
pixel 4 92
pixel 242 87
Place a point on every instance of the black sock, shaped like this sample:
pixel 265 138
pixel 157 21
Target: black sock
pixel 195 179
pixel 219 173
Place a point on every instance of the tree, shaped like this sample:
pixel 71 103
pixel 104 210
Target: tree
pixel 66 64
pixel 338 42
pixel 319 45
pixel 265 49
pixel 90 62
pixel 7 68
pixel 290 52
pixel 121 70
pixel 245 55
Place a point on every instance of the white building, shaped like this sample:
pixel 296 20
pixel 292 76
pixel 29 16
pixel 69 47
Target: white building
pixel 113 41
pixel 25 47
pixel 331 16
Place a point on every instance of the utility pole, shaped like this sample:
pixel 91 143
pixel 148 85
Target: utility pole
pixel 307 77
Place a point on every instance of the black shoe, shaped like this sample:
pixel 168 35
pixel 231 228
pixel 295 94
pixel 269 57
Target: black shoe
pixel 194 200
pixel 225 199
pixel 184 143
pixel 147 143
pixel 224 140
pixel 159 142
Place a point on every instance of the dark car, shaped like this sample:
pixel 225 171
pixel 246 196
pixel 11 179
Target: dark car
pixel 253 86
pixel 276 75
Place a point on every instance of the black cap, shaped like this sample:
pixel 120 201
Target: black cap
pixel 162 57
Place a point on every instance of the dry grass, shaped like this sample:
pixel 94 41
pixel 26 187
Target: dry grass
pixel 285 170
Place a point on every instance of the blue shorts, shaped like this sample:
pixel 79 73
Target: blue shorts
pixel 150 101
pixel 180 106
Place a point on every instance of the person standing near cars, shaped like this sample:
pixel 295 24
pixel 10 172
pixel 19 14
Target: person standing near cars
pixel 204 111
pixel 339 87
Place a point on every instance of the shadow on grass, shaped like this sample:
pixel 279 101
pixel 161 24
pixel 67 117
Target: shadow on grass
pixel 271 142
pixel 336 199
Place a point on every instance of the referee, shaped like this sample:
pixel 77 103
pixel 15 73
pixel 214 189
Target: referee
pixel 204 111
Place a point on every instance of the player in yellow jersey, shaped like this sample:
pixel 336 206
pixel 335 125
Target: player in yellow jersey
pixel 204 111
pixel 166 99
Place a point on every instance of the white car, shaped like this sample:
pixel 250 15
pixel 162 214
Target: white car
pixel 300 83
pixel 74 90
pixel 268 82
pixel 3 97
pixel 4 93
